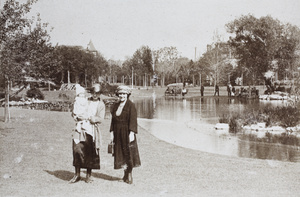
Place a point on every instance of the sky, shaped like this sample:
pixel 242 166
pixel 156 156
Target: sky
pixel 118 28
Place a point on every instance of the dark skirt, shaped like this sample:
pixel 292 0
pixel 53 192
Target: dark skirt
pixel 85 154
pixel 126 153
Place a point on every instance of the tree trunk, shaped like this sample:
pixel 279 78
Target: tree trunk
pixel 85 78
pixel 200 82
pixel 6 111
pixel 194 80
pixel 242 79
pixel 145 82
pixel 69 77
pixel 62 77
pixel 77 79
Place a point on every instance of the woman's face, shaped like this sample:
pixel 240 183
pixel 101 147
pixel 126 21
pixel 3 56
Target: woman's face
pixel 95 95
pixel 123 97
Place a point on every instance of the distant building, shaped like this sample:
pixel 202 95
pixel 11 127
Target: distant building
pixel 91 48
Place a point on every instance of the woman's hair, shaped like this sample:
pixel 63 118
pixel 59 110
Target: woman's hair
pixel 128 95
pixel 123 89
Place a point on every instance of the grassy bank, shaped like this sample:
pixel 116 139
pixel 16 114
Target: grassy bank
pixel 36 160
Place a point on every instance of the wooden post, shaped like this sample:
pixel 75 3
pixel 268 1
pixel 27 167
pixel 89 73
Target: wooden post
pixel 200 82
pixel 69 77
pixel 6 111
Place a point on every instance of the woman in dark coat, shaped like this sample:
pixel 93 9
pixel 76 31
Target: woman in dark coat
pixel 86 144
pixel 123 131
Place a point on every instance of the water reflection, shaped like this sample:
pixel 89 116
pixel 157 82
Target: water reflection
pixel 190 122
pixel 183 134
pixel 268 151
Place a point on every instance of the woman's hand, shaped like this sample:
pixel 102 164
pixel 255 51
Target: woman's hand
pixel 92 119
pixel 112 136
pixel 80 117
pixel 131 136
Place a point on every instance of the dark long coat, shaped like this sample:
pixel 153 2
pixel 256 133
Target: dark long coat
pixel 86 154
pixel 125 152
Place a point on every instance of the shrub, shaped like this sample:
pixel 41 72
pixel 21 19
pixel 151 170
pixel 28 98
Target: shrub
pixel 224 119
pixel 271 116
pixel 63 96
pixel 108 89
pixel 35 93
pixel 15 98
pixel 2 95
pixel 288 116
pixel 235 123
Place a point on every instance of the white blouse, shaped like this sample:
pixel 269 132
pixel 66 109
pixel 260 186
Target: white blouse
pixel 120 108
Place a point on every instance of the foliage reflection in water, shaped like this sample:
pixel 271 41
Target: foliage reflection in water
pixel 190 123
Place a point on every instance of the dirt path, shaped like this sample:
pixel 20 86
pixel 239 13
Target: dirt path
pixel 36 160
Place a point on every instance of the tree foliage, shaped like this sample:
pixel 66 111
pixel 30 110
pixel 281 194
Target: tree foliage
pixel 167 56
pixel 74 64
pixel 24 45
pixel 263 44
pixel 186 68
pixel 215 62
pixel 140 63
pixel 165 63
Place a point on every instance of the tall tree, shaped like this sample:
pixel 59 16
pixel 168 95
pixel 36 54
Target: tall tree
pixel 140 63
pixel 212 61
pixel 70 63
pixel 262 44
pixel 288 55
pixel 22 44
pixel 184 68
pixel 77 65
pixel 167 58
pixel 142 59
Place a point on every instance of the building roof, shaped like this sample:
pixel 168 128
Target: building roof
pixel 91 47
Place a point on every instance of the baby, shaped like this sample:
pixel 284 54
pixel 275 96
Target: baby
pixel 80 110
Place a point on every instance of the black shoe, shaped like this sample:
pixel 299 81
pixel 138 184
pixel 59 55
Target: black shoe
pixel 129 179
pixel 75 179
pixel 88 179
pixel 125 177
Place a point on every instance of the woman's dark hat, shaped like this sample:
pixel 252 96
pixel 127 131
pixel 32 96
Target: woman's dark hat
pixel 95 88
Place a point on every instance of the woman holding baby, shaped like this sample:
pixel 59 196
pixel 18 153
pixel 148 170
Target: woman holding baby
pixel 88 114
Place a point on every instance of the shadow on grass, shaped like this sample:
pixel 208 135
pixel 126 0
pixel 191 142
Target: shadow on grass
pixel 106 177
pixel 67 175
pixel 61 174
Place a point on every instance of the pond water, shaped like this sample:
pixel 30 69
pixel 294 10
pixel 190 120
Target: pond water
pixel 189 122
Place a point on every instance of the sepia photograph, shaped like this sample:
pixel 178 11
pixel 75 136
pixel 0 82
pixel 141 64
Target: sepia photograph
pixel 149 98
